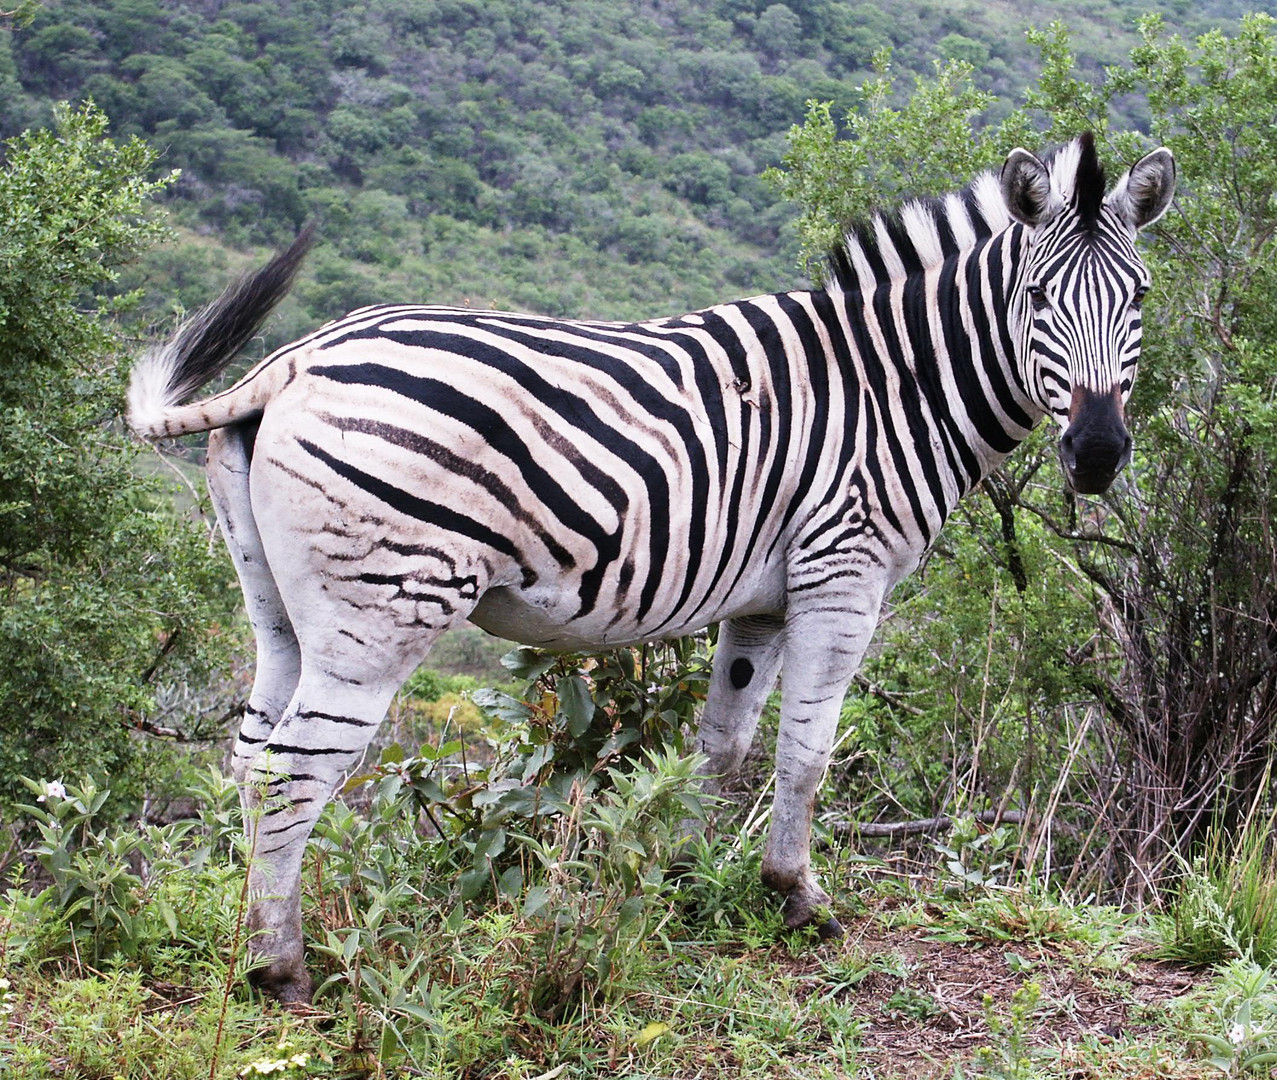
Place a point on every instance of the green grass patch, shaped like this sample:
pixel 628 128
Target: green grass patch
pixel 578 954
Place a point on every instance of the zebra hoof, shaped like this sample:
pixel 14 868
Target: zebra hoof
pixel 289 989
pixel 805 909
pixel 830 930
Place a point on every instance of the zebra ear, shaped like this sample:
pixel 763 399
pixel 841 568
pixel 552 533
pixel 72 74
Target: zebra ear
pixel 1026 188
pixel 1144 193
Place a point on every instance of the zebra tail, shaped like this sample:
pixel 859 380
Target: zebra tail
pixel 168 375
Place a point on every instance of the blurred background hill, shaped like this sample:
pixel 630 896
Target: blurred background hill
pixel 593 158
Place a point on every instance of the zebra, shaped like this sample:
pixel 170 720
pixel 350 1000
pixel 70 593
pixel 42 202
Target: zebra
pixel 773 465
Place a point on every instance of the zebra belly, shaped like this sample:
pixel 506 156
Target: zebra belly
pixel 508 612
pixel 507 615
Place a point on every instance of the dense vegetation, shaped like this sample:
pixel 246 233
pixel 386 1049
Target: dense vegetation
pixel 594 159
pixel 104 597
pixel 488 899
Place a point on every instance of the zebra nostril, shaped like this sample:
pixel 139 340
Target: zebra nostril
pixel 1068 452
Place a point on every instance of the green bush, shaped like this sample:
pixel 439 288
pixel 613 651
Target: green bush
pixel 106 595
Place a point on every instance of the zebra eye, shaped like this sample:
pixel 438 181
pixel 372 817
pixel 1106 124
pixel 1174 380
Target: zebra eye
pixel 1138 298
pixel 1037 295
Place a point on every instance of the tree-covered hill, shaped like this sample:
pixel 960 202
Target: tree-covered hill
pixel 583 158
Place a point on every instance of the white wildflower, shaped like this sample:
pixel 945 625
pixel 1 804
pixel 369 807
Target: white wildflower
pixel 281 1064
pixel 53 790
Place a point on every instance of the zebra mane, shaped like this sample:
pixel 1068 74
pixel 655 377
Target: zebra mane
pixel 921 233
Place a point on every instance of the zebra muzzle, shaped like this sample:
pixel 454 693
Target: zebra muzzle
pixel 1096 445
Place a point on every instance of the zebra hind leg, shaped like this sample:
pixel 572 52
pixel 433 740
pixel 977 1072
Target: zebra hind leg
pixel 323 734
pixel 359 641
pixel 278 653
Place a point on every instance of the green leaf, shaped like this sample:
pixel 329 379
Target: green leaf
pixel 1214 1042
pixel 472 883
pixel 357 781
pixel 490 844
pixel 535 900
pixel 575 704
pixel 526 663
pixel 168 915
pixel 630 910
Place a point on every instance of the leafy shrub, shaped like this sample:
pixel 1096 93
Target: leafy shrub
pixel 125 892
pixel 102 585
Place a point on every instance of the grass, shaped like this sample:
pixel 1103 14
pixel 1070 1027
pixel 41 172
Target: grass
pixel 1226 904
pixel 699 980
pixel 899 1005
pixel 538 935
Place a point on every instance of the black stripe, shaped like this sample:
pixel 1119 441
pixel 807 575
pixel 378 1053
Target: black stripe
pixel 722 333
pixel 422 509
pixel 313 714
pixel 880 437
pixel 960 458
pixel 306 751
pixel 815 363
pixel 963 360
pixel 537 478
pixel 873 463
pixel 919 431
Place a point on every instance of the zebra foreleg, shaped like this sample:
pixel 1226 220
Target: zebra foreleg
pixel 746 661
pixel 814 684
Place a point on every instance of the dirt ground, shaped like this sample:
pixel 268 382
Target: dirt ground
pixel 923 999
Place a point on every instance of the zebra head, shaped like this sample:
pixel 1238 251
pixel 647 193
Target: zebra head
pixel 1078 295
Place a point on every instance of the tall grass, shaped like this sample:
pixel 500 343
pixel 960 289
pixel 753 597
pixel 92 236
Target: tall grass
pixel 1226 905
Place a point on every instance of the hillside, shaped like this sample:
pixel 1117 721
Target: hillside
pixel 597 158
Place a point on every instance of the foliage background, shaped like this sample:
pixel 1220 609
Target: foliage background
pixel 596 159
pixel 102 592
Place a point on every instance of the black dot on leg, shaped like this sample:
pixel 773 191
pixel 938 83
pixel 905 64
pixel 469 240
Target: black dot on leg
pixel 741 672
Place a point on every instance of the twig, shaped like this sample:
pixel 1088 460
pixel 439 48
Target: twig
pixel 1074 749
pixel 144 725
pixel 943 823
pixel 165 649
pixel 896 701
pixel 240 910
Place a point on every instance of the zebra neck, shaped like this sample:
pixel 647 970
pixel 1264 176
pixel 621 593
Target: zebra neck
pixel 936 352
pixel 978 391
